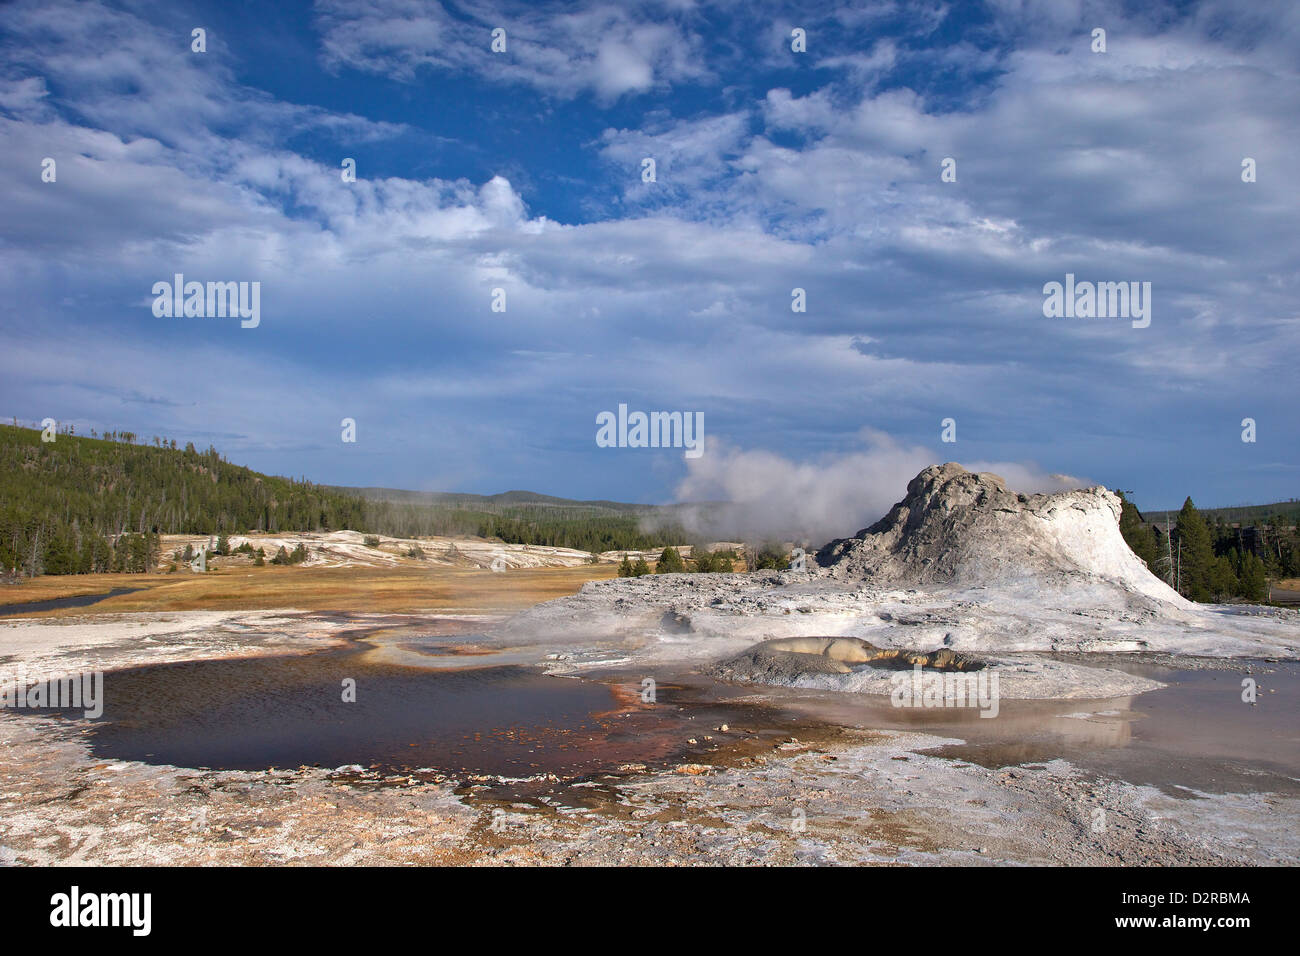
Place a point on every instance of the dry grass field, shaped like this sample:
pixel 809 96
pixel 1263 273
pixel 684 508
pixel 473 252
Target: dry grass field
pixel 397 590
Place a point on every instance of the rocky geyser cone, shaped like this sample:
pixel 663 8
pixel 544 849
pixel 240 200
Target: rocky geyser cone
pixel 966 529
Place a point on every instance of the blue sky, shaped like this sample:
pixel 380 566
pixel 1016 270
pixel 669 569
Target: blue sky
pixel 775 170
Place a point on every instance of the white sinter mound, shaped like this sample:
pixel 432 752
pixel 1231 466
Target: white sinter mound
pixel 960 528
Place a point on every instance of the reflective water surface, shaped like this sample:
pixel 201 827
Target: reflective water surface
pixel 428 701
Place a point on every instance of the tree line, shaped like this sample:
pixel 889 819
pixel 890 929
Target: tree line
pixel 769 556
pixel 78 504
pixel 1211 561
pixel 579 528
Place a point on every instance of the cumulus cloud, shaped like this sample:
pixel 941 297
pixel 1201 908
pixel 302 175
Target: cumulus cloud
pixel 775 172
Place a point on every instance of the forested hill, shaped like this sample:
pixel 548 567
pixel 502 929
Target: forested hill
pixel 79 504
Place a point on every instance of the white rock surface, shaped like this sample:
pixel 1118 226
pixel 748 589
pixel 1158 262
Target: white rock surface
pixel 960 528
pixel 961 562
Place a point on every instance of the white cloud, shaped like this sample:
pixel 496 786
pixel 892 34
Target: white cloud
pixel 924 297
pixel 606 49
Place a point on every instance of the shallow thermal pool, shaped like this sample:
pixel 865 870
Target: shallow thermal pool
pixel 484 714
pixel 509 721
pixel 1195 734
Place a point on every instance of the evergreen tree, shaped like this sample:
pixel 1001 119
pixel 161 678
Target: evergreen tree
pixel 713 562
pixel 625 568
pixel 670 562
pixel 1193 553
pixel 640 568
pixel 1136 534
pixel 1254 585
pixel 1272 548
pixel 1291 560
pixel 1223 579
pixel 771 557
